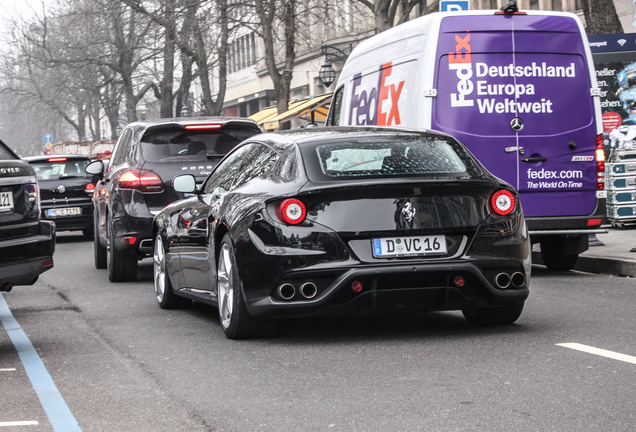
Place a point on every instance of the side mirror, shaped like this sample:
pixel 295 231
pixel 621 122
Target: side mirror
pixel 95 168
pixel 185 183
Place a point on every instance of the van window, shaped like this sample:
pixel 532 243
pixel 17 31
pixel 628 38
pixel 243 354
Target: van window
pixel 336 106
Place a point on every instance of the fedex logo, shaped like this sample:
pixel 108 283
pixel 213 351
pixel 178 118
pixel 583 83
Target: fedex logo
pixel 460 62
pixel 378 106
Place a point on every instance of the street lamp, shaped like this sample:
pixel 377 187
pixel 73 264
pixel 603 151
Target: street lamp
pixel 327 74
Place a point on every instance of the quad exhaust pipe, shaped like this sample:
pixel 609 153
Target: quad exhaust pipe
pixel 504 280
pixel 518 280
pixel 308 290
pixel 287 291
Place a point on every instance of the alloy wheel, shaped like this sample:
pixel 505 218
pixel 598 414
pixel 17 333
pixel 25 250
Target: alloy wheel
pixel 159 266
pixel 225 286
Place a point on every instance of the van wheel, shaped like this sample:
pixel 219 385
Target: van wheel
pixel 121 268
pixel 494 316
pixel 555 258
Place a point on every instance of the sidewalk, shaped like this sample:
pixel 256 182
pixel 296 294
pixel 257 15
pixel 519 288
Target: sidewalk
pixel 614 257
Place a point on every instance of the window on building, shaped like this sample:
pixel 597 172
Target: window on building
pixel 534 4
pixel 493 4
pixel 557 5
pixel 349 16
pixel 578 5
pixel 405 9
pixel 242 53
pixel 421 7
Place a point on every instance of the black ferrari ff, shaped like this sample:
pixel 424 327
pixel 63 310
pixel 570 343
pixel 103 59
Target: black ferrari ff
pixel 344 221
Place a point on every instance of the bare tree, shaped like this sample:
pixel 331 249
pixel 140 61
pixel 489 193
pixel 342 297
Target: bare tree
pixel 601 17
pixel 278 14
pixel 191 40
pixel 389 13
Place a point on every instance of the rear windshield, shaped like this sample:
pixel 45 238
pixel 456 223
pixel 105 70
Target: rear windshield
pixel 60 169
pixel 389 157
pixel 181 145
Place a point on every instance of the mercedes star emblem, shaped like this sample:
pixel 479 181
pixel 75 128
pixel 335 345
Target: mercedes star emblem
pixel 516 124
pixel 61 189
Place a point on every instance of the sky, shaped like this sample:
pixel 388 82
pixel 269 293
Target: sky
pixel 11 9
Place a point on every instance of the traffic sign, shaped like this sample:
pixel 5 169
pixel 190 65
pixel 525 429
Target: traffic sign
pixel 48 137
pixel 453 5
pixel 48 145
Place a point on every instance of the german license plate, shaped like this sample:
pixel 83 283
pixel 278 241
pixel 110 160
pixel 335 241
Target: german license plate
pixel 68 211
pixel 409 246
pixel 6 201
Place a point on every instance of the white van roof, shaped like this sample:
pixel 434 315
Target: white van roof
pixel 415 29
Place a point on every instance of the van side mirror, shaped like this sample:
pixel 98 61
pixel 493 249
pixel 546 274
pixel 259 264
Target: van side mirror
pixel 95 168
pixel 185 183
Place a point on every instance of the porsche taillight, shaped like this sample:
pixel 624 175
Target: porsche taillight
pixel 141 180
pixel 291 211
pixel 503 202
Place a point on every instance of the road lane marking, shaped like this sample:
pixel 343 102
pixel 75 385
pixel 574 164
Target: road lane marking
pixel 600 352
pixel 8 370
pixel 19 423
pixel 50 397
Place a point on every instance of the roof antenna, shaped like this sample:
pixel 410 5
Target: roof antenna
pixel 510 7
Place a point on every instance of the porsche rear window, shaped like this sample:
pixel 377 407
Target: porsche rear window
pixel 394 156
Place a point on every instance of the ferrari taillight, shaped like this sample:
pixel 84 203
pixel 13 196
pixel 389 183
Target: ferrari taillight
pixel 141 180
pixel 503 202
pixel 291 211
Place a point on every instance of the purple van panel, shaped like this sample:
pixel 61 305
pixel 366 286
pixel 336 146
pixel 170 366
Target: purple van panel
pixel 496 68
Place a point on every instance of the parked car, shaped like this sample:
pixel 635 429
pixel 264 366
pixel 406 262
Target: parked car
pixel 147 156
pixel 344 220
pixel 66 191
pixel 27 243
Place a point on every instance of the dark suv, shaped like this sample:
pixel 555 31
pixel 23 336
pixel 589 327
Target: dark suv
pixel 26 242
pixel 66 191
pixel 137 184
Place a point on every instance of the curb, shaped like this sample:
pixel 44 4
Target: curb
pixel 592 264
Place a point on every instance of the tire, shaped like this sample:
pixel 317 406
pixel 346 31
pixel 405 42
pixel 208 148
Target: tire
pixel 233 315
pixel 166 297
pixel 555 258
pixel 494 316
pixel 101 258
pixel 121 268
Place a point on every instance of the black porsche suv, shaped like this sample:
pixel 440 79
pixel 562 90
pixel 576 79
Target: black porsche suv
pixel 26 242
pixel 137 183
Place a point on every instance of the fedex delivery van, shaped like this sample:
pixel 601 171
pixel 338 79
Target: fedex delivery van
pixel 517 88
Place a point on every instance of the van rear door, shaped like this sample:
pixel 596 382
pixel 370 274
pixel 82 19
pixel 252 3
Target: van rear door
pixel 516 90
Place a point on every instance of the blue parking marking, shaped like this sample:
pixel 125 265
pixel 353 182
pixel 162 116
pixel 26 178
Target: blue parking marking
pixel 52 401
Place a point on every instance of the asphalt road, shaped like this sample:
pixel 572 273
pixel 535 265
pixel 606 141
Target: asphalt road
pixel 122 364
